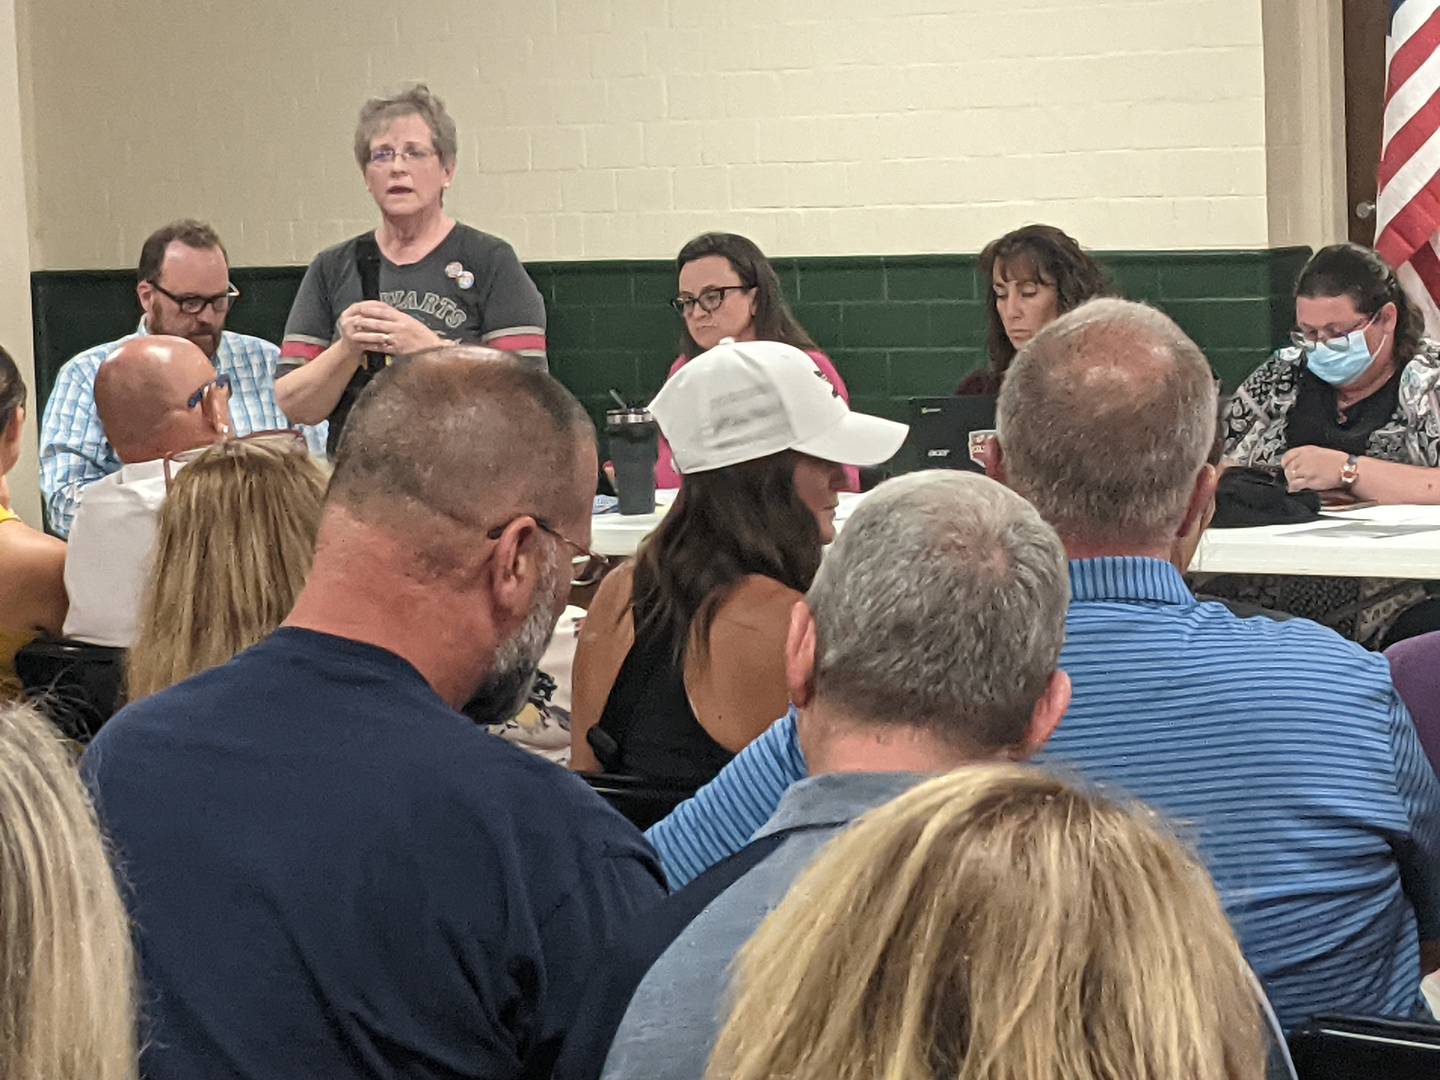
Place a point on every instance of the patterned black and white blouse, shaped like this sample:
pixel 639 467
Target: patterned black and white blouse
pixel 1254 421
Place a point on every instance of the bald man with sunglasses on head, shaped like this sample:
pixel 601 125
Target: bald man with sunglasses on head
pixel 184 291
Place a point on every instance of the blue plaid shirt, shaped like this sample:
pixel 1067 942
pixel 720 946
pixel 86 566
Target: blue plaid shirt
pixel 74 451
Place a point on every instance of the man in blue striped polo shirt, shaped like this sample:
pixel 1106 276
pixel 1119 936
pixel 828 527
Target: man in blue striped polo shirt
pixel 882 707
pixel 1280 747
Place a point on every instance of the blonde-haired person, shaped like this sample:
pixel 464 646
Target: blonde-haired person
pixel 232 550
pixel 996 923
pixel 67 967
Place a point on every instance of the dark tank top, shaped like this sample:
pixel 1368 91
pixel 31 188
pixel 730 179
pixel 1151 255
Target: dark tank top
pixel 648 714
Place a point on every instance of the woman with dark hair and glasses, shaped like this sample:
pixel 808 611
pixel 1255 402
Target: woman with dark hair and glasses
pixel 1349 409
pixel 681 658
pixel 1350 406
pixel 32 565
pixel 1029 277
pixel 728 289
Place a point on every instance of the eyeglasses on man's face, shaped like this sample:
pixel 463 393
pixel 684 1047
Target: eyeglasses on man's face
pixel 286 440
pixel 708 300
pixel 586 566
pixel 410 155
pixel 194 303
pixel 221 382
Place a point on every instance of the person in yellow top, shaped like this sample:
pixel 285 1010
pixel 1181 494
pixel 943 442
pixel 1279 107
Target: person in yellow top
pixel 32 564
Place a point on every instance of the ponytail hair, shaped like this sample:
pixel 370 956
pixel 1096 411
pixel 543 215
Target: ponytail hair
pixel 12 391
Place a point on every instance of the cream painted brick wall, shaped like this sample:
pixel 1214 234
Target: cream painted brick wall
pixel 619 128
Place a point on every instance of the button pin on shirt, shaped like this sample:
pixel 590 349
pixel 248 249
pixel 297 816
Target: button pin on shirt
pixel 462 277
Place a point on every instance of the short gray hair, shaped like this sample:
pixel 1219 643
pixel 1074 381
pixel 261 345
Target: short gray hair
pixel 449 442
pixel 1105 418
pixel 377 114
pixel 941 606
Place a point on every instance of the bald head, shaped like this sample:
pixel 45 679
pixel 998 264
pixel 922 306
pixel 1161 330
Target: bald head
pixel 458 439
pixel 142 392
pixel 1105 420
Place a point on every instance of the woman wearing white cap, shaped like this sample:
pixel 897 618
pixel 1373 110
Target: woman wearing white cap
pixel 680 662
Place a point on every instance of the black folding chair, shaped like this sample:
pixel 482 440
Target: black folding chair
pixel 77 685
pixel 642 800
pixel 1334 1047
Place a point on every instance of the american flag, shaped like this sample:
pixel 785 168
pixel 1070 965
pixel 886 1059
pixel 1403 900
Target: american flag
pixel 1407 208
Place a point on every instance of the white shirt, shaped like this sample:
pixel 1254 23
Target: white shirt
pixel 108 562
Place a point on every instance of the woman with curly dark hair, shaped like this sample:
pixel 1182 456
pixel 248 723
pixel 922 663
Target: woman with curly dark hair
pixel 1036 274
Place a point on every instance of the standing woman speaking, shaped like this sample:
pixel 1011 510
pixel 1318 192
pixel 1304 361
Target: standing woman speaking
pixel 420 279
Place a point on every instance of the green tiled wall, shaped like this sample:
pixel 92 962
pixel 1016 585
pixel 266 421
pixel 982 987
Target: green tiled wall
pixel 896 326
pixel 900 326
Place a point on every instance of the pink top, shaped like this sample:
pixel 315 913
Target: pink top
pixel 667 477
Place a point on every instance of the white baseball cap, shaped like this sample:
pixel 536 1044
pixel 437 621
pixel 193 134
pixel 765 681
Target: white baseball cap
pixel 746 400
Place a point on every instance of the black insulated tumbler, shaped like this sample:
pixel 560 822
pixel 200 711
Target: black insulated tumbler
pixel 634 444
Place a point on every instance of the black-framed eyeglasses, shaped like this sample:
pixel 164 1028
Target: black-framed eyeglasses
pixel 411 155
pixel 285 439
pixel 193 303
pixel 221 381
pixel 708 300
pixel 586 566
pixel 1297 337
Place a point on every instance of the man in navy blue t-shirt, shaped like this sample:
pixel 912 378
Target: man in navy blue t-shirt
pixel 332 872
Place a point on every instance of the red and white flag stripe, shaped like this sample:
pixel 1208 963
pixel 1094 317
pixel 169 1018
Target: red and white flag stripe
pixel 1407 207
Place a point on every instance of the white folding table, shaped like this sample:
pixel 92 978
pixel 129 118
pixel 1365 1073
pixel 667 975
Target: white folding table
pixel 1377 542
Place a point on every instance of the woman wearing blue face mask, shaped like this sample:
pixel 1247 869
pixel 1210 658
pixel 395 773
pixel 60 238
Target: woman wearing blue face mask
pixel 1350 409
pixel 1351 406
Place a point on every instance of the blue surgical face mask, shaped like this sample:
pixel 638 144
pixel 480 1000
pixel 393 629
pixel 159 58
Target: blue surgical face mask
pixel 1341 367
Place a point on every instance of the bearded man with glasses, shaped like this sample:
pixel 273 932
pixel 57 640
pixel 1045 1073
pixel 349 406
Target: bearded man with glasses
pixel 336 874
pixel 184 291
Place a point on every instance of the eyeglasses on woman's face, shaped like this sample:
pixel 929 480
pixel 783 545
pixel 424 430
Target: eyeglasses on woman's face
pixel 410 154
pixel 1331 337
pixel 708 301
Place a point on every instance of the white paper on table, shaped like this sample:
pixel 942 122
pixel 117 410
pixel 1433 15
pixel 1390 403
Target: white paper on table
pixel 1364 530
pixel 1430 987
